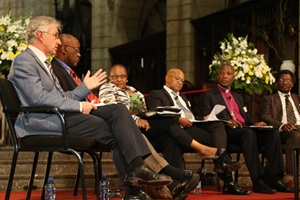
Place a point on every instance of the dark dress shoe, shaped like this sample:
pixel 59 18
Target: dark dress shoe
pixel 224 163
pixel 233 188
pixel 140 196
pixel 182 189
pixel 260 186
pixel 280 186
pixel 200 171
pixel 145 175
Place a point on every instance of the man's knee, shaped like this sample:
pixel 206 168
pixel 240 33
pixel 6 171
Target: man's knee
pixel 294 138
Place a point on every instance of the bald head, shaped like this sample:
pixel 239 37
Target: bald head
pixel 69 51
pixel 174 79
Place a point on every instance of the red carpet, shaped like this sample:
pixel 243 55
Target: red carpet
pixel 208 193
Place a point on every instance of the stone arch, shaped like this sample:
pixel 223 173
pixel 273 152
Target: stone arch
pixel 131 16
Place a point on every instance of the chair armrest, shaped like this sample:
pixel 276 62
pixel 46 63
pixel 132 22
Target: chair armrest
pixel 45 109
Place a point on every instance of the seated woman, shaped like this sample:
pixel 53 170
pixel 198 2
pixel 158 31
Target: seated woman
pixel 164 131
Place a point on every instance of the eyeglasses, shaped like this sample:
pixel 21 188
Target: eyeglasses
pixel 76 48
pixel 56 35
pixel 287 80
pixel 116 77
pixel 178 79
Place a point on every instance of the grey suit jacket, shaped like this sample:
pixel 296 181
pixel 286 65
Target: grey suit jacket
pixel 271 109
pixel 36 87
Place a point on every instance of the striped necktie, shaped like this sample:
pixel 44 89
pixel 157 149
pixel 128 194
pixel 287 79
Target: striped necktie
pixel 188 114
pixel 289 111
pixel 92 98
pixel 49 66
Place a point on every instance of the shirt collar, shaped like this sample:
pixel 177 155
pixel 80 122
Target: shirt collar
pixel 281 94
pixel 64 65
pixel 170 91
pixel 224 90
pixel 41 55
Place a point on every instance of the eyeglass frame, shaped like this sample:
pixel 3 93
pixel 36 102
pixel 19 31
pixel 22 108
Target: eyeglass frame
pixel 56 35
pixel 177 79
pixel 115 77
pixel 283 80
pixel 76 48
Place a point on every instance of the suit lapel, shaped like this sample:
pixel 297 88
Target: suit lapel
pixel 220 98
pixel 39 62
pixel 240 104
pixel 278 105
pixel 296 101
pixel 168 96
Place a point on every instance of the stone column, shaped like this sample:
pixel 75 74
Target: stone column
pixel 180 31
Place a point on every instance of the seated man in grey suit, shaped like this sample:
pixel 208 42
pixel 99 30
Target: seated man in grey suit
pixel 112 125
pixel 209 133
pixel 282 111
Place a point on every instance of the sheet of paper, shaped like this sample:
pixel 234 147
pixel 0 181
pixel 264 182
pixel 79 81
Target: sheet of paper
pixel 100 104
pixel 213 114
pixel 168 113
pixel 171 107
pixel 261 127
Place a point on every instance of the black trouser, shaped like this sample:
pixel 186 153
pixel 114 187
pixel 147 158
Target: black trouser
pixel 113 126
pixel 250 140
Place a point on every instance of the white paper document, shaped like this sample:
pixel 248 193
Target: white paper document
pixel 100 104
pixel 213 114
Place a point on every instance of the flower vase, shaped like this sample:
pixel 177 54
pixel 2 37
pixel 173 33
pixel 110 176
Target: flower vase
pixel 288 65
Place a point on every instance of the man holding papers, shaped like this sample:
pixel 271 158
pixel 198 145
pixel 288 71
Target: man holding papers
pixel 247 138
pixel 282 111
pixel 213 133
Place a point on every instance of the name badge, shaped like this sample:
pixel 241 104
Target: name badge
pixel 245 109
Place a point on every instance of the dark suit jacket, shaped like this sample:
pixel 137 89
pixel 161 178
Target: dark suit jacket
pixel 162 98
pixel 212 97
pixel 271 109
pixel 65 79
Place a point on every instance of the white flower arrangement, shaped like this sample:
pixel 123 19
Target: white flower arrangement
pixel 12 39
pixel 252 74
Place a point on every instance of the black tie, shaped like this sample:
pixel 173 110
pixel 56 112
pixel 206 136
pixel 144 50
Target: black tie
pixel 289 111
pixel 55 78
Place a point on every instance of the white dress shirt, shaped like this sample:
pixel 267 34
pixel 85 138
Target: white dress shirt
pixel 283 104
pixel 170 91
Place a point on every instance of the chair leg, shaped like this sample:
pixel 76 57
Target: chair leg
pixel 96 161
pixel 47 173
pixel 100 165
pixel 218 182
pixel 36 157
pixel 11 176
pixel 83 188
pixel 77 177
pixel 236 175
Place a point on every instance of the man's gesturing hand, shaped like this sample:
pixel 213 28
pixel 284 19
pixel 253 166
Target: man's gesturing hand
pixel 94 81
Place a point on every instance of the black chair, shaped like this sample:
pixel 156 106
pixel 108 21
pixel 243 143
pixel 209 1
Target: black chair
pixel 49 143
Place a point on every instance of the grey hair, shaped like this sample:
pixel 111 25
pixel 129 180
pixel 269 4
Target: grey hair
pixel 40 23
